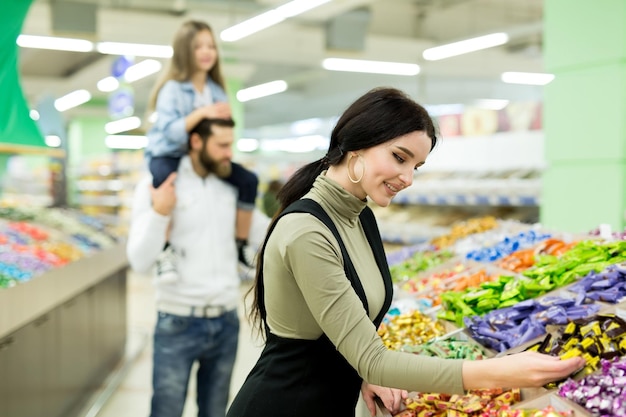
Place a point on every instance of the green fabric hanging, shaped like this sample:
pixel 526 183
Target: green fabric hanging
pixel 16 126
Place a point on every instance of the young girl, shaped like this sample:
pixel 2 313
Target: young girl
pixel 191 90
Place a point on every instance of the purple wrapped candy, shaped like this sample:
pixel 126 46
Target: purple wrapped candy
pixel 530 303
pixel 510 327
pixel 608 285
pixel 603 394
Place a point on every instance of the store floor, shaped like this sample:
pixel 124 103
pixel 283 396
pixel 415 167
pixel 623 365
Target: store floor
pixel 131 396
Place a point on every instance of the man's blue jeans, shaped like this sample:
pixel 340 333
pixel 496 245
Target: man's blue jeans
pixel 178 343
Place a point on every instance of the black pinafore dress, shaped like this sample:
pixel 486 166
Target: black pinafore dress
pixel 310 378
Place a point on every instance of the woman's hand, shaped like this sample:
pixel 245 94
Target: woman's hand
pixel 520 370
pixel 391 397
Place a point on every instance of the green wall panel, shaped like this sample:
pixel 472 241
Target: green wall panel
pixel 583 32
pixel 86 139
pixel 585 114
pixel 16 126
pixel 577 198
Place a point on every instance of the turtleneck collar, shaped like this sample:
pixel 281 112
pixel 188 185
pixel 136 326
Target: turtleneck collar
pixel 336 200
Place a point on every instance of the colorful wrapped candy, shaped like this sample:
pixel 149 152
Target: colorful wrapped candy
pixel 476 403
pixel 450 348
pixel 603 393
pixel 602 336
pixel 608 286
pixel 419 262
pixel 510 327
pixel 412 328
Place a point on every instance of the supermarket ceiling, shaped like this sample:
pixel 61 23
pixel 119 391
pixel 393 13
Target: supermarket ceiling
pixel 381 30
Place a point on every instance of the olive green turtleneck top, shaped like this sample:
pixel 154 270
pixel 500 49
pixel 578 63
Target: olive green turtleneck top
pixel 307 294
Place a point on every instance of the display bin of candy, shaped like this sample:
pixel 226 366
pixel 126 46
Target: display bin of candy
pixel 522 259
pixel 452 276
pixel 506 230
pixel 461 230
pixel 605 286
pixel 404 324
pixel 596 338
pixel 507 245
pixel 456 344
pixel 474 403
pixel 419 262
pixel 432 277
pixel 510 327
pixel 551 273
pixel 550 402
pixel 602 393
pixel 584 257
pixel 20 304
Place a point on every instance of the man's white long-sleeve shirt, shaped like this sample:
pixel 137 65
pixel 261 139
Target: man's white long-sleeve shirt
pixel 202 235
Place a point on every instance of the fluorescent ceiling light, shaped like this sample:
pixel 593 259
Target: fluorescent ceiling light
pixel 269 18
pixel 58 44
pixel 53 141
pixel 373 67
pixel 73 99
pixel 126 141
pixel 122 125
pixel 82 45
pixel 250 26
pixel 142 70
pixel 261 90
pixel 492 104
pixel 465 46
pixel 108 84
pixel 135 49
pixel 530 78
pixel 34 114
pixel 247 144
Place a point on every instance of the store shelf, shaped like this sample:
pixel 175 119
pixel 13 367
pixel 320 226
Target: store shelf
pixel 31 150
pixel 472 192
pixel 25 302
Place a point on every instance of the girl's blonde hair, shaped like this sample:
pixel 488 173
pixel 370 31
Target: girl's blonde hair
pixel 183 63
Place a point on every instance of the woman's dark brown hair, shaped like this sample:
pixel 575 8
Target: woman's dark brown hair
pixel 380 115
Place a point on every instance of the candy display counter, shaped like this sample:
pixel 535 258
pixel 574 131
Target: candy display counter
pixel 62 311
pixel 505 287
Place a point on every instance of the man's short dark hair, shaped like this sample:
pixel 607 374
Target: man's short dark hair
pixel 204 128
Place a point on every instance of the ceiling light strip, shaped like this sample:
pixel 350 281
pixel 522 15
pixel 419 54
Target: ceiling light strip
pixel 261 90
pixel 141 70
pixel 54 43
pixel 269 18
pixel 250 26
pixel 122 125
pixel 465 46
pixel 527 78
pixel 372 67
pixel 135 49
pixel 71 100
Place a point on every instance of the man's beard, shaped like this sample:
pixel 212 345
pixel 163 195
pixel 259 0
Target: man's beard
pixel 214 167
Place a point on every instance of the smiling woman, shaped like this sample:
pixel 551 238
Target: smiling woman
pixel 323 283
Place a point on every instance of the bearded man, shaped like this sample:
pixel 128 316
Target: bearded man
pixel 194 211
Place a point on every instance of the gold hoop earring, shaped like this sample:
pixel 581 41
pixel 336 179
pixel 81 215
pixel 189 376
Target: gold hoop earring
pixel 362 172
